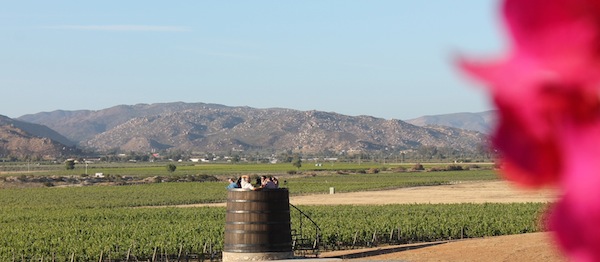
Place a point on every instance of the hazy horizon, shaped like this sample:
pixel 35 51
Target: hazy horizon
pixel 387 59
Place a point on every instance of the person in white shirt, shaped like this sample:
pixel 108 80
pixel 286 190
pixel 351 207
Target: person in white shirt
pixel 246 183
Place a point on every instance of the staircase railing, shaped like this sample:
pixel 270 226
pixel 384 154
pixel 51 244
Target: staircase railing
pixel 303 244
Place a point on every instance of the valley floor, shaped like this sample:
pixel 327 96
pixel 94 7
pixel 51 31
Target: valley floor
pixel 533 247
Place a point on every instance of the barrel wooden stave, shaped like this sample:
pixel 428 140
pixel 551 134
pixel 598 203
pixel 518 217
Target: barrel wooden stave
pixel 258 222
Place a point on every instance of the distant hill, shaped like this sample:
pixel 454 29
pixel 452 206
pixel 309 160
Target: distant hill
pixel 82 125
pixel 211 127
pixel 481 122
pixel 22 139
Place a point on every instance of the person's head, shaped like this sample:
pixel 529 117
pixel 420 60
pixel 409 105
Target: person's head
pixel 231 180
pixel 246 178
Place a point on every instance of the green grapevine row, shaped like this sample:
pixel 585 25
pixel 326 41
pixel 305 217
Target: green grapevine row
pixel 88 232
pixel 347 225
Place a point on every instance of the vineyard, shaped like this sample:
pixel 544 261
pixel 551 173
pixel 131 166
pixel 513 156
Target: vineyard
pixel 89 232
pixel 349 226
pixel 117 222
pixel 160 194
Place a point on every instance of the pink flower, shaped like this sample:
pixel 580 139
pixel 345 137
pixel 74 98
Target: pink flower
pixel 547 90
pixel 576 217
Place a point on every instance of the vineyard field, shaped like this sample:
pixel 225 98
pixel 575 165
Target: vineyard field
pixel 87 222
pixel 160 194
pixel 89 232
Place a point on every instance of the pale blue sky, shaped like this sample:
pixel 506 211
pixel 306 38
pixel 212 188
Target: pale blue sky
pixel 388 59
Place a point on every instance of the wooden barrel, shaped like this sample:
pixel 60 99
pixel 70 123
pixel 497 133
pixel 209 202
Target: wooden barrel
pixel 257 225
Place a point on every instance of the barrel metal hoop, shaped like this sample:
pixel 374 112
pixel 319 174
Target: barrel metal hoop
pixel 254 201
pixel 258 211
pixel 240 248
pixel 259 223
pixel 283 244
pixel 261 232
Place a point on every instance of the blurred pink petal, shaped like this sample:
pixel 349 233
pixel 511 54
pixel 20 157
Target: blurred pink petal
pixel 523 136
pixel 547 94
pixel 549 78
pixel 576 218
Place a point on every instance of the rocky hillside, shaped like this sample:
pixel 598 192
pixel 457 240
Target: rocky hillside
pixel 82 125
pixel 481 122
pixel 22 139
pixel 209 127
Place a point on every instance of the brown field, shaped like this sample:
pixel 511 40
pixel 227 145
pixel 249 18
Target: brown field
pixel 467 192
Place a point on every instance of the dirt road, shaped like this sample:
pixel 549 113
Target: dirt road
pixel 466 192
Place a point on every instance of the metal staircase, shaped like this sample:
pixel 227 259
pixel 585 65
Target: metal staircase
pixel 306 243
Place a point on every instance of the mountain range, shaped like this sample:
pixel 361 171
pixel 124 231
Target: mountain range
pixel 204 127
pixel 481 122
pixel 22 140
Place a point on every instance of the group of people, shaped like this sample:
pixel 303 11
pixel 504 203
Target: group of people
pixel 263 182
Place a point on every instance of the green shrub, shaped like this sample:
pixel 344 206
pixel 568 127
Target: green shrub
pixel 171 168
pixel 418 167
pixel 454 168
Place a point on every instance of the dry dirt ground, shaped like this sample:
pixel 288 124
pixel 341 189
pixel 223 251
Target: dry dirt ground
pixel 466 192
pixel 534 247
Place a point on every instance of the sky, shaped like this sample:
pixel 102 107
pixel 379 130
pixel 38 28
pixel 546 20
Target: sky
pixel 388 59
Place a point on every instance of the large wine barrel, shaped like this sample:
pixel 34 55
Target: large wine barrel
pixel 257 225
